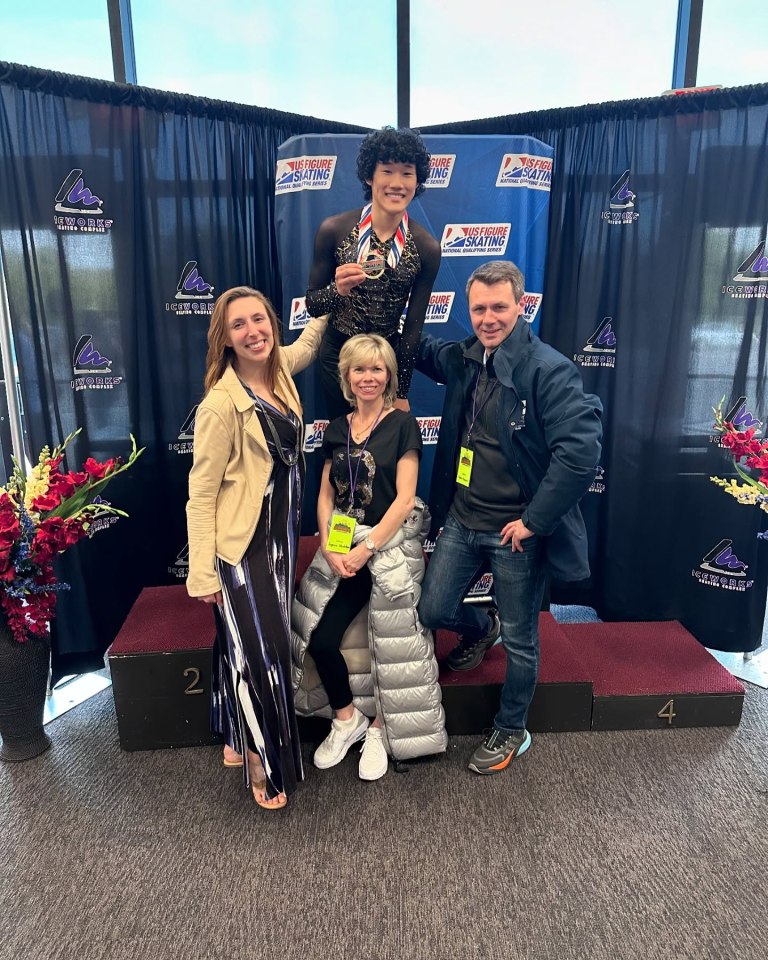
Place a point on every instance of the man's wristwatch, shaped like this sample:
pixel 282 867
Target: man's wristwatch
pixel 369 544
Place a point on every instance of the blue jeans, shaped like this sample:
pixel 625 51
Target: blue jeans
pixel 459 557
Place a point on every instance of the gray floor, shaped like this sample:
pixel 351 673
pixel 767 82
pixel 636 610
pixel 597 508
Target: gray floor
pixel 594 845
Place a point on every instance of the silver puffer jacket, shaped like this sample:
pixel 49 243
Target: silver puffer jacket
pixel 391 658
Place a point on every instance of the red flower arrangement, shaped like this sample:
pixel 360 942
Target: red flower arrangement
pixel 750 453
pixel 42 514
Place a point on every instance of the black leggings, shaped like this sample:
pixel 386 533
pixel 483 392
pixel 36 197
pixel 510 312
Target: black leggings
pixel 350 597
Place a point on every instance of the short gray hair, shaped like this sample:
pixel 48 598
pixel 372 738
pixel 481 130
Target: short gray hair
pixel 367 348
pixel 499 271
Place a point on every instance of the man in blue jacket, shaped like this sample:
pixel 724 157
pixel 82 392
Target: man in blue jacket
pixel 518 446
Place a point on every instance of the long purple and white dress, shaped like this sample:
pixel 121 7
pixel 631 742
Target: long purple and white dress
pixel 252 694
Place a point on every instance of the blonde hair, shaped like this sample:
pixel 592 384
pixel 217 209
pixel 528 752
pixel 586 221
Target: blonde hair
pixel 367 348
pixel 220 355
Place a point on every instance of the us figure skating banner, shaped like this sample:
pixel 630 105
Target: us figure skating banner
pixel 487 198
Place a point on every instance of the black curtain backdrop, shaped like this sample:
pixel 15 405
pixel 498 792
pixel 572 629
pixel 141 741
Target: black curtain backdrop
pixel 181 181
pixel 656 205
pixel 681 335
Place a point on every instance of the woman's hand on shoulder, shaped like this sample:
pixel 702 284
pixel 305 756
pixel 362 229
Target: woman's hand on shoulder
pixel 401 403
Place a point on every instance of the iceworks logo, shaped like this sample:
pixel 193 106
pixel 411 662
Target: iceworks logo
pixel 475 239
pixel 722 560
pixel 87 359
pixel 180 567
pixel 191 285
pixel 739 416
pixel 75 197
pixel 603 340
pixel 525 170
pixel 754 267
pixel 304 173
pixel 622 197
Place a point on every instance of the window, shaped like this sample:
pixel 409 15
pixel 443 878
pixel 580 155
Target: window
pixel 73 38
pixel 325 58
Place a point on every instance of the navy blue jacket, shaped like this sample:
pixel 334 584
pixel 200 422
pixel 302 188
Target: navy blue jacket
pixel 548 427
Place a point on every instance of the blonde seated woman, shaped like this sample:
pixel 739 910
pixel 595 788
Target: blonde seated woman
pixel 244 518
pixel 367 490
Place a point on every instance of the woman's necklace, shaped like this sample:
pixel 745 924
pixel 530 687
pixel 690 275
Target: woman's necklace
pixel 359 433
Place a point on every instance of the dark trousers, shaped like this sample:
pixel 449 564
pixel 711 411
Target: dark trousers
pixel 351 596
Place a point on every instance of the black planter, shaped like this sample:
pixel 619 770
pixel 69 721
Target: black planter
pixel 23 684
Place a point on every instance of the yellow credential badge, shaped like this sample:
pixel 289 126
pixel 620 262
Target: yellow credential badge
pixel 340 534
pixel 464 472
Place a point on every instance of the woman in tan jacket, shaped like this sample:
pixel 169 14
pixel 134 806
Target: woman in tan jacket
pixel 243 517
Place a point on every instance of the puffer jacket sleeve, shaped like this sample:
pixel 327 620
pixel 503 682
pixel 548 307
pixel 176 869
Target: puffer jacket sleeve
pixel 212 449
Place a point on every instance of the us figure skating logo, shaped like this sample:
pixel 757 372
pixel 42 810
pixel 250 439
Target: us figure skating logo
pixel 531 304
pixel 600 348
pixel 184 443
pixel 91 369
pixel 721 568
pixel 751 278
pixel 621 203
pixel 193 292
pixel 304 173
pixel 475 239
pixel 439 307
pixel 81 210
pixel 299 317
pixel 313 435
pixel 525 170
pixel 430 428
pixel 440 169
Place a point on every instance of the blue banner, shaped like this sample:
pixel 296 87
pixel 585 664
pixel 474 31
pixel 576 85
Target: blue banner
pixel 487 198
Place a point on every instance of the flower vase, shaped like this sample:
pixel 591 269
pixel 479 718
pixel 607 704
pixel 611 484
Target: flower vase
pixel 23 686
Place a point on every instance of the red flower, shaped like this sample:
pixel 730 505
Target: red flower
pixel 98 470
pixel 46 501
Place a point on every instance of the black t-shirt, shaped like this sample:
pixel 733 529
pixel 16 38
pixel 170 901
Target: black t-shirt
pixel 376 487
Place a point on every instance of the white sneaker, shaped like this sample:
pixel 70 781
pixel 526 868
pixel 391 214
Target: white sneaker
pixel 373 759
pixel 343 734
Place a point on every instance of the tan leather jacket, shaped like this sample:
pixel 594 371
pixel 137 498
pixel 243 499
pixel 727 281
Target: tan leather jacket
pixel 232 465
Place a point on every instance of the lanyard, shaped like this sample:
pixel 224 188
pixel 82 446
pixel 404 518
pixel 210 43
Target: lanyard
pixel 365 230
pixel 353 483
pixel 476 411
pixel 290 459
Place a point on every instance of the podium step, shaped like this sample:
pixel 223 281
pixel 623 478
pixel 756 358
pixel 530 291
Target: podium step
pixel 599 676
pixel 653 675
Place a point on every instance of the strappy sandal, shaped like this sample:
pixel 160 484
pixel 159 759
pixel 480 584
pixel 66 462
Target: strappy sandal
pixel 235 761
pixel 259 790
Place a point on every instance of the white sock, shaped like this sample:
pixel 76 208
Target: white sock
pixel 352 720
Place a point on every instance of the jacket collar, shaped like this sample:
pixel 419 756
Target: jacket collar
pixel 230 384
pixel 506 356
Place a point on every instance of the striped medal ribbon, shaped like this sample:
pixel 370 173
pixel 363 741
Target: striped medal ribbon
pixel 372 262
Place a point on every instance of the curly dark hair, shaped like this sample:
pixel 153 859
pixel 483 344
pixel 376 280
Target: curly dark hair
pixel 392 146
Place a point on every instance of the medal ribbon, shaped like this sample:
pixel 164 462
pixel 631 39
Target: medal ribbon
pixel 365 229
